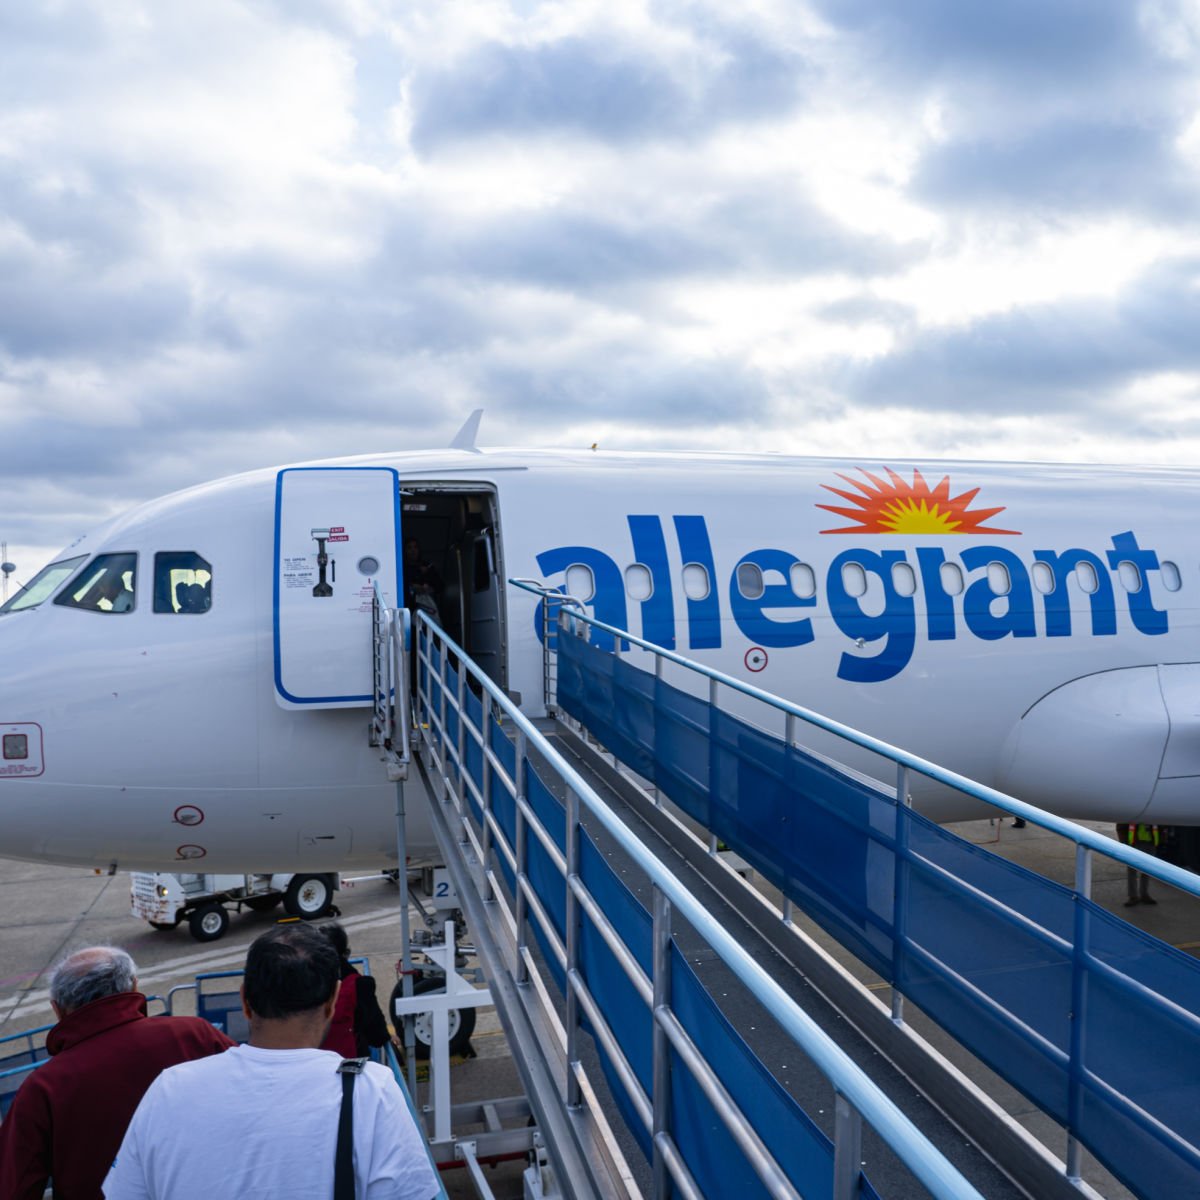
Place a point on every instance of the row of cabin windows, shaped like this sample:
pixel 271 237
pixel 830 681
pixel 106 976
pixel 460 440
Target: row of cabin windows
pixel 639 583
pixel 108 584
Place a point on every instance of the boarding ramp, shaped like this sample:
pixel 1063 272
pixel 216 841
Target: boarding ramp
pixel 1090 1018
pixel 599 959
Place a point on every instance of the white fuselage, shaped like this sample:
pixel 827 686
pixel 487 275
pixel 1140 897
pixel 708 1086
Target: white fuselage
pixel 1050 649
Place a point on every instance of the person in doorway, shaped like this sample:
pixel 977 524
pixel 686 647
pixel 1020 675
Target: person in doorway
pixel 69 1116
pixel 263 1118
pixel 358 1023
pixel 422 584
pixel 1146 839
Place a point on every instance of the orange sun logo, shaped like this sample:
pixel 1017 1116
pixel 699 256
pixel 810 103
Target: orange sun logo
pixel 900 507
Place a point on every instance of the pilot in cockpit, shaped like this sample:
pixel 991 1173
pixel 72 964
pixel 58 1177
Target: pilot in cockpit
pixel 111 594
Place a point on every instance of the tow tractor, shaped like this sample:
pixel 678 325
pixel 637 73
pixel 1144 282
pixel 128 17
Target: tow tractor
pixel 166 899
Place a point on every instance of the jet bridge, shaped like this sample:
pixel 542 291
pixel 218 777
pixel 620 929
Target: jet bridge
pixel 672 1029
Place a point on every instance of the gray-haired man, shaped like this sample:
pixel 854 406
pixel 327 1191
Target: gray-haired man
pixel 69 1116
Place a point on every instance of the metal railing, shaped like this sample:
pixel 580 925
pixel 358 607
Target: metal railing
pixel 574 620
pixel 451 730
pixel 390 717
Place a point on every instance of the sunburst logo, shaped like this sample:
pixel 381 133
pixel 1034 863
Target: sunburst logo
pixel 895 506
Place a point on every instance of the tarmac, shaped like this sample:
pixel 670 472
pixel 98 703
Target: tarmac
pixel 47 911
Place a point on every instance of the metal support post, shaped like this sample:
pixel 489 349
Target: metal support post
pixel 406 962
pixel 1079 997
pixel 572 918
pixel 661 1046
pixel 847 1149
pixel 486 799
pixel 522 853
pixel 900 890
pixel 460 699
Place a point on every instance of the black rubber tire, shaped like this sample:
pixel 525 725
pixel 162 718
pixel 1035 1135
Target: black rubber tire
pixel 208 922
pixel 462 1020
pixel 309 897
pixel 263 903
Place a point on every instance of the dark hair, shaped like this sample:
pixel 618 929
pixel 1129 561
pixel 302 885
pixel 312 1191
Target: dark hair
pixel 337 938
pixel 290 969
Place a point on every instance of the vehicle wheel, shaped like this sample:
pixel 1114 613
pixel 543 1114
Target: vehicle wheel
pixel 208 922
pixel 460 1021
pixel 309 897
pixel 262 903
pixel 162 925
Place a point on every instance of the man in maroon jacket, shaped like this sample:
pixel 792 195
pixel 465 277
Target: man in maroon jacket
pixel 69 1116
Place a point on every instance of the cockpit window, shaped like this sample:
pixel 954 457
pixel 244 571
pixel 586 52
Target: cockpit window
pixel 106 585
pixel 43 585
pixel 182 582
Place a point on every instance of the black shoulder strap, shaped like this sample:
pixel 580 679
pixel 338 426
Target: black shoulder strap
pixel 343 1163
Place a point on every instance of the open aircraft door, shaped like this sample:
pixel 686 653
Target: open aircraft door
pixel 337 534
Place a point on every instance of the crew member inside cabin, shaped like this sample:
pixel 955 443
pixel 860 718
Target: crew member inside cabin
pixel 358 1023
pixel 263 1119
pixel 68 1117
pixel 422 584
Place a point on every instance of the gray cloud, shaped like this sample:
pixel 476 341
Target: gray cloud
pixel 1066 357
pixel 607 90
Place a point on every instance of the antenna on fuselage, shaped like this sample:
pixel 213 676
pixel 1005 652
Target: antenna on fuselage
pixel 6 568
pixel 464 439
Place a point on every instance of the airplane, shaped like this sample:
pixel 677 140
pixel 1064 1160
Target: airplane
pixel 186 683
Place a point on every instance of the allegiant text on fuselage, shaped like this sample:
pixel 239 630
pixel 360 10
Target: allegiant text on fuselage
pixel 775 618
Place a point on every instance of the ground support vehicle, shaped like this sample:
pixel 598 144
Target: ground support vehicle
pixel 164 899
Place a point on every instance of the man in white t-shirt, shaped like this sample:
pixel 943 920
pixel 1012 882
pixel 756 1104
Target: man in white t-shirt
pixel 261 1119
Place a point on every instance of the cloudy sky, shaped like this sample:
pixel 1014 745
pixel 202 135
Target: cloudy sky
pixel 235 233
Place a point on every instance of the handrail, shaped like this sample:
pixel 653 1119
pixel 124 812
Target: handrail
pixel 1169 873
pixel 920 1155
pixel 390 721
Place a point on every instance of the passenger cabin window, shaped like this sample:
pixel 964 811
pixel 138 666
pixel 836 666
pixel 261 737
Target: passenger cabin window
pixel 639 584
pixel 1130 576
pixel 182 582
pixel 803 580
pixel 750 580
pixel 1043 577
pixel 1089 581
pixel 695 581
pixel 105 585
pixel 904 579
pixel 951 577
pixel 854 579
pixel 1170 577
pixel 43 585
pixel 580 582
pixel 999 579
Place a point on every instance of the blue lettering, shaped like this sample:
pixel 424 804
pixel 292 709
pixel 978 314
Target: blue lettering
pixel 1146 618
pixel 771 619
pixel 1058 601
pixel 897 622
pixel 704 615
pixel 1017 619
pixel 608 603
pixel 939 604
pixel 658 609
pixel 749 614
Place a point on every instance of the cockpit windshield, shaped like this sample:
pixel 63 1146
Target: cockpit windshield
pixel 43 585
pixel 105 586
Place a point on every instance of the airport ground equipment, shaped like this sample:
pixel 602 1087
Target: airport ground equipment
pixel 166 899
